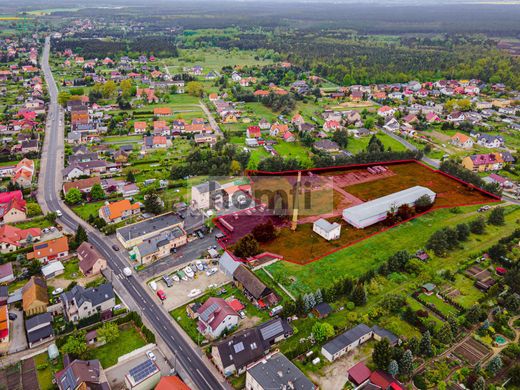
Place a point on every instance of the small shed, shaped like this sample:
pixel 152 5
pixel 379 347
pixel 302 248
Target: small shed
pixel 428 288
pixel 53 352
pixel 53 269
pixel 322 310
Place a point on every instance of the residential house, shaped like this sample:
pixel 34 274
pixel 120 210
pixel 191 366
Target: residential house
pixel 13 238
pixel 490 141
pixel 171 383
pixel 254 132
pixel 39 329
pixel 254 288
pixel 4 327
pixel 34 296
pixel 23 173
pixel 432 117
pixel 327 230
pixel 82 375
pixel 210 139
pixel 462 141
pixel 386 111
pixel 80 302
pixel 90 260
pixel 118 211
pixel 289 137
pixel 275 371
pixel 159 246
pixel 162 111
pixel 483 162
pixel 216 316
pixel 278 130
pixel 54 249
pixel 332 125
pixel 140 127
pixel 322 310
pixel 326 145
pixel 264 124
pixel 6 273
pixel 12 207
pixel 359 375
pixel 502 181
pixel 233 354
pixel 392 125
pixel 207 194
pixel 455 117
pixel 156 142
pixel 144 376
pixel 84 185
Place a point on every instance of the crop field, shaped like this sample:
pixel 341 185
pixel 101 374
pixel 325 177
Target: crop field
pixel 332 192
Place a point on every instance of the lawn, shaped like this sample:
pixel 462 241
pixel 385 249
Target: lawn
pixel 39 222
pixel 443 307
pixel 469 294
pixel 71 269
pixel 46 375
pixel 357 145
pixel 129 340
pixel 294 150
pixel 368 254
pixel 122 139
pixel 257 155
pixel 86 209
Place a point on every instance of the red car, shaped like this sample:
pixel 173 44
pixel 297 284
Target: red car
pixel 161 295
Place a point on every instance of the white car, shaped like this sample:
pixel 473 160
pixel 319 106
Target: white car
pixel 194 292
pixel 211 271
pixel 59 290
pixel 189 272
pixel 199 265
pixel 59 213
pixel 127 271
pixel 151 356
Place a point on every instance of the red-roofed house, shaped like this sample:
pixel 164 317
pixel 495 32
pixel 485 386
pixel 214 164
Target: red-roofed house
pixel 359 374
pixel 171 383
pixel 331 125
pixel 288 137
pixel 462 141
pixel 384 381
pixel 139 127
pixel 254 132
pixel 215 316
pixel 236 305
pixel 12 207
pixel 386 111
pixel 50 250
pixel 12 238
pixel 432 117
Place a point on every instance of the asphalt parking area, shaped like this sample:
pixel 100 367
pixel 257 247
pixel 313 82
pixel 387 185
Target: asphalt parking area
pixel 183 292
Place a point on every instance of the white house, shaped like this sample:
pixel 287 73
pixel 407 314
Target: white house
pixel 386 111
pixel 329 231
pixel 215 316
pixel 81 303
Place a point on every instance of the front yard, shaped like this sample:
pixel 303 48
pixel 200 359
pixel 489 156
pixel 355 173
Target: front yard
pixel 45 370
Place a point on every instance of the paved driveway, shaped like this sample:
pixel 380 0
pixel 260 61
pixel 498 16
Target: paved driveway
pixel 17 330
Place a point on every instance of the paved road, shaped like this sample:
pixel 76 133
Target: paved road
pixel 212 122
pixel 188 359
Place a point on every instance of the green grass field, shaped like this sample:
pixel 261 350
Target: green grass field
pixel 368 254
pixel 294 150
pixel 72 271
pixel 87 209
pixel 469 294
pixel 129 339
pixel 46 375
pixel 443 307
pixel 356 145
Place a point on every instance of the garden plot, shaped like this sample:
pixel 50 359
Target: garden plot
pixel 472 351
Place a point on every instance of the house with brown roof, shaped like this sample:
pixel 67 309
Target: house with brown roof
pixel 84 185
pixel 254 288
pixel 34 296
pixel 118 211
pixel 54 249
pixel 81 375
pixel 90 260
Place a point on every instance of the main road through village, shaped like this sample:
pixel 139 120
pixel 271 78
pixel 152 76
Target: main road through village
pixel 188 360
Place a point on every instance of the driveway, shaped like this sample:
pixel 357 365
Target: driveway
pixel 116 374
pixel 184 255
pixel 17 330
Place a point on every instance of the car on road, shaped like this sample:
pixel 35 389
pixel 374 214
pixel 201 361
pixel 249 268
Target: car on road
pixel 12 316
pixel 127 271
pixel 57 291
pixel 199 234
pixel 59 213
pixel 115 247
pixel 161 295
pixel 151 356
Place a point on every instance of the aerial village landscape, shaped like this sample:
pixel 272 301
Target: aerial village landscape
pixel 201 200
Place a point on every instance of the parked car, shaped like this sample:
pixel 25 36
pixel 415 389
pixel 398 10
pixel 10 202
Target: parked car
pixel 211 271
pixel 167 280
pixel 199 265
pixel 161 295
pixel 57 291
pixel 115 247
pixel 151 356
pixel 12 316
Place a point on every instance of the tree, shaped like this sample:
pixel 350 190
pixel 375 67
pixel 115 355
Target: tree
pixel 33 209
pixel 34 267
pixel 423 203
pixel 406 363
pixel 425 346
pixel 393 368
pixel 235 167
pixel 514 374
pixel 382 354
pixel 246 247
pixel 130 177
pixel 75 344
pixel 322 331
pixel 81 236
pixel 393 302
pixel 318 297
pixel 497 251
pixel 512 302
pixel 496 217
pixel 264 232
pixel 126 88
pixel 375 145
pixel 454 326
pixel 445 334
pixel 108 332
pixel 359 295
pixel 73 196
pixel 309 301
pixel 152 203
pixel 495 365
pixel 463 232
pixel 477 226
pixel 63 97
pixel 397 262
pixel 109 89
pixel 194 88
pixel 97 192
pixel 473 314
pixel 480 384
pixel 341 138
pixel 438 243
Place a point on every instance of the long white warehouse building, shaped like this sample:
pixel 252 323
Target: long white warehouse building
pixel 376 210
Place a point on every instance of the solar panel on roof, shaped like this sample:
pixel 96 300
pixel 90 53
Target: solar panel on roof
pixel 41 246
pixel 239 347
pixel 208 312
pixel 272 329
pixel 143 370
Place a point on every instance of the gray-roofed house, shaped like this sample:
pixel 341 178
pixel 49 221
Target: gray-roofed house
pixel 39 329
pixel 275 371
pixel 329 231
pixel 326 145
pixel 207 194
pixel 228 264
pixel 134 234
pixel 254 288
pixel 79 303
